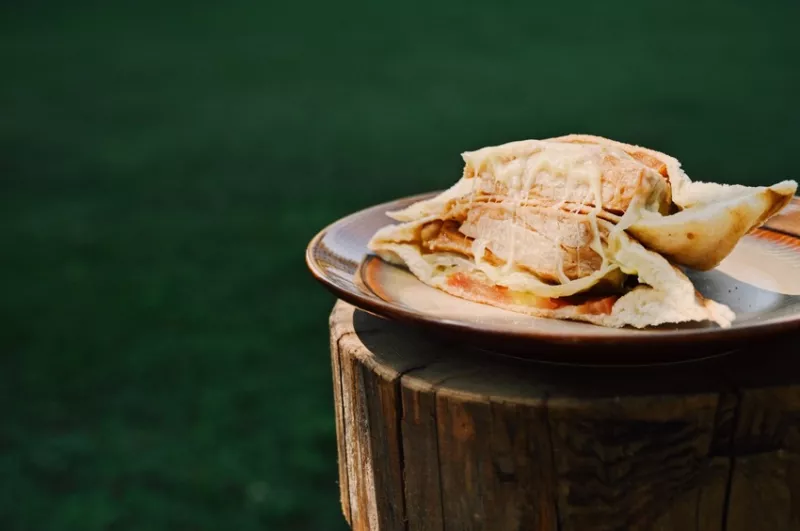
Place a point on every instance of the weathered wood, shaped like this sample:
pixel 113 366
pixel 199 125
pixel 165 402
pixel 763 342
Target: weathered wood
pixel 336 322
pixel 382 410
pixel 765 488
pixel 437 437
pixel 643 455
pixel 421 447
pixel 765 493
pixel 363 505
pixel 494 446
pixel 765 441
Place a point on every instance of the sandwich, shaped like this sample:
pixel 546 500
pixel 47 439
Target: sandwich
pixel 578 227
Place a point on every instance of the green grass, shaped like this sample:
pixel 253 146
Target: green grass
pixel 164 353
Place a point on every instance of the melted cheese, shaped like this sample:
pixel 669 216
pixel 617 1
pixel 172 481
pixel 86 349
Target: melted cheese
pixel 516 166
pixel 440 263
pixel 634 213
pixel 576 163
pixel 562 277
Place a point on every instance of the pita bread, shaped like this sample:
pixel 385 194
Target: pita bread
pixel 577 227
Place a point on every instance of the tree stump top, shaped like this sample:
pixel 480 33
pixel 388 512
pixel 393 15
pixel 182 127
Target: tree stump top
pixel 435 435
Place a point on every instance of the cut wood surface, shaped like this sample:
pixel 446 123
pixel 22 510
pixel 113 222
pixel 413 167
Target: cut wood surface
pixel 435 436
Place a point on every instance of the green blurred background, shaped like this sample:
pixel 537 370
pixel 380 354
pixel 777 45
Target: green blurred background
pixel 164 358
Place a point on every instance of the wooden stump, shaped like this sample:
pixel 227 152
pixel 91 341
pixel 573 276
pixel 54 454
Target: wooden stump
pixel 435 437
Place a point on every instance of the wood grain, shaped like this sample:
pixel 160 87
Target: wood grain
pixel 439 437
pixel 421 448
pixel 623 464
pixel 339 416
pixel 765 489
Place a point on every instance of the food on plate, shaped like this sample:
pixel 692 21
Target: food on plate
pixel 578 227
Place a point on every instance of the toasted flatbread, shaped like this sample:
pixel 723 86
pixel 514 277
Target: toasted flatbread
pixel 578 227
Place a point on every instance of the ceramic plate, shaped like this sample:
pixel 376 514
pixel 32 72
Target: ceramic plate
pixel 759 280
